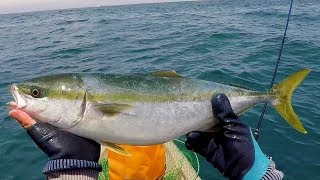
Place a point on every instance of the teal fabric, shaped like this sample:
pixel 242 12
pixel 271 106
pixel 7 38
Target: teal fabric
pixel 260 165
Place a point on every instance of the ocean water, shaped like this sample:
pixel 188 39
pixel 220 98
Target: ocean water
pixel 222 40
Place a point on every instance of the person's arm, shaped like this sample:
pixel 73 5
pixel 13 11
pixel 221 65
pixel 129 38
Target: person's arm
pixel 70 156
pixel 232 149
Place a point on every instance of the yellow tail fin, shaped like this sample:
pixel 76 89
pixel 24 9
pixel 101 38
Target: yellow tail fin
pixel 283 92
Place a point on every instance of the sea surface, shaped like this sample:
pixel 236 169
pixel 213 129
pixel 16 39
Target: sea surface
pixel 223 40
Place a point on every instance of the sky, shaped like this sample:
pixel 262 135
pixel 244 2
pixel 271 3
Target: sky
pixel 16 6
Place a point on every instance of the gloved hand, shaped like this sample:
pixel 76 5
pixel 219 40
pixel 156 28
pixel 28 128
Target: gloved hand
pixel 66 151
pixel 233 150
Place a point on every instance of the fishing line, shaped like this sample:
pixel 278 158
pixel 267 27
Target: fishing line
pixel 256 132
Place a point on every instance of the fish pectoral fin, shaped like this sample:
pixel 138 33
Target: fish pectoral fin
pixel 112 109
pixel 115 148
pixel 168 73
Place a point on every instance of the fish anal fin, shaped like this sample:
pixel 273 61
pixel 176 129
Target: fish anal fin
pixel 168 73
pixel 115 148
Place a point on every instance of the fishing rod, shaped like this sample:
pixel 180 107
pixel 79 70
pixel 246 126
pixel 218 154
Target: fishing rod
pixel 256 132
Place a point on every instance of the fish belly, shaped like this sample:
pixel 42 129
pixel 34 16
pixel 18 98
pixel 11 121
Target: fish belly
pixel 147 123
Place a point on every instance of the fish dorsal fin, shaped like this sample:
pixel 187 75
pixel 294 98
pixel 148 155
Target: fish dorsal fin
pixel 114 148
pixel 168 73
pixel 111 109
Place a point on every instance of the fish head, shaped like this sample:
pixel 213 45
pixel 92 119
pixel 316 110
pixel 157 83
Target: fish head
pixel 29 98
pixel 48 99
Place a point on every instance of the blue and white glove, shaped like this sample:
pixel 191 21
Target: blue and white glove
pixel 233 150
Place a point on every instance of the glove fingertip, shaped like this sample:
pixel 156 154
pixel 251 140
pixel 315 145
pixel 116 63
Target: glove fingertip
pixel 193 135
pixel 220 103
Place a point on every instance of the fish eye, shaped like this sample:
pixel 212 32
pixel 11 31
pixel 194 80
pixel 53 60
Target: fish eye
pixel 35 93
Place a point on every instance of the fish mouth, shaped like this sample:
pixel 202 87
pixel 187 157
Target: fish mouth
pixel 19 101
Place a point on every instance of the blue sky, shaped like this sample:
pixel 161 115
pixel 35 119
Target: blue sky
pixel 13 6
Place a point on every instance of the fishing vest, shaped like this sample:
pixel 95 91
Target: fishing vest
pixel 145 163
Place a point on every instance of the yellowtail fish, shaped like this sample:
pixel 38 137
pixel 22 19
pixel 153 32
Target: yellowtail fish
pixel 140 109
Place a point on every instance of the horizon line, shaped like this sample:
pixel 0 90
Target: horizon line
pixel 93 6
